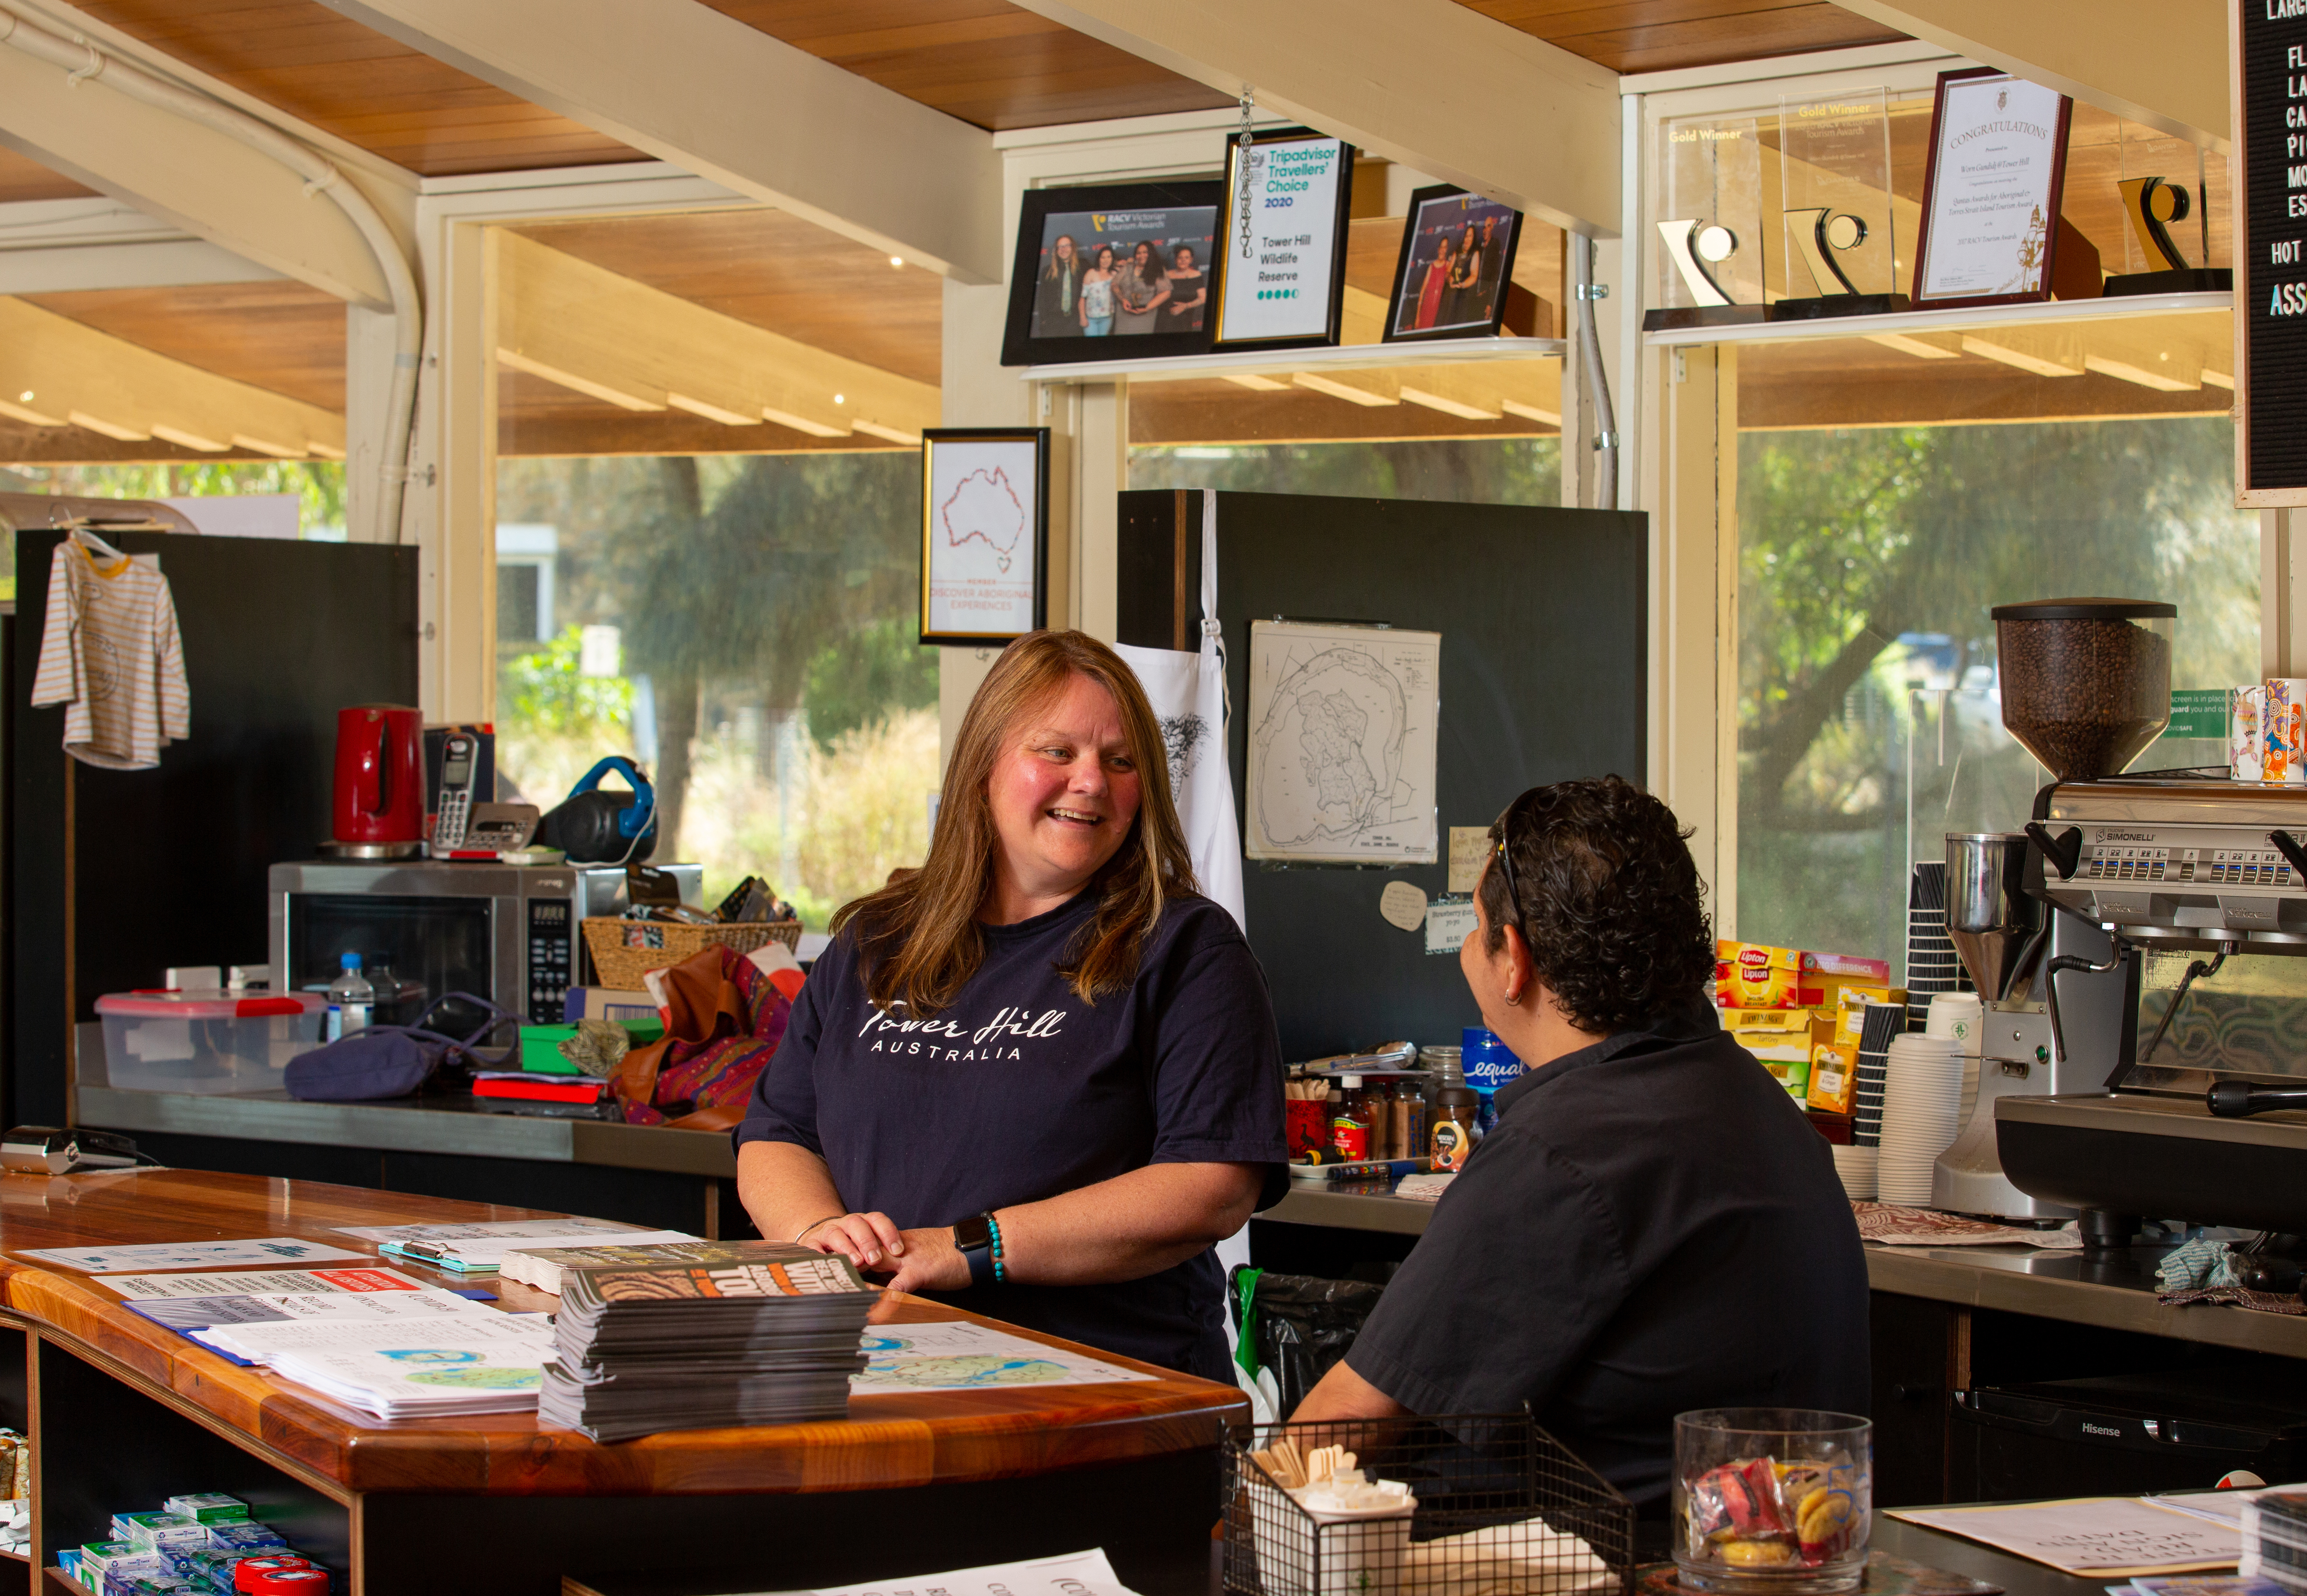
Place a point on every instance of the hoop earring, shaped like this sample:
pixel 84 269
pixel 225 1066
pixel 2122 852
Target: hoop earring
pixel 1515 1001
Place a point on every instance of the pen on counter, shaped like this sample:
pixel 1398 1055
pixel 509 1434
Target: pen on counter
pixel 1375 1169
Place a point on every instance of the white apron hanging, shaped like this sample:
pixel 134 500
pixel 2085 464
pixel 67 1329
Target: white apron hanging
pixel 1188 695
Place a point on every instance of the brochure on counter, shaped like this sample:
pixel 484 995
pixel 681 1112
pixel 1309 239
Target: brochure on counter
pixel 2095 1535
pixel 1076 1573
pixel 188 1255
pixel 137 1288
pixel 481 1329
pixel 957 1355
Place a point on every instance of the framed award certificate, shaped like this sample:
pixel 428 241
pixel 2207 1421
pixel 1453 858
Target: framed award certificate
pixel 1279 280
pixel 985 533
pixel 1991 193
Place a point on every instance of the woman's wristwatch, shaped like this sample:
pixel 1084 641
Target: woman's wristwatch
pixel 978 1238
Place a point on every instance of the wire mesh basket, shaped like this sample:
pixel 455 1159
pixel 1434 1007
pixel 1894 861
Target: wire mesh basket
pixel 1494 1506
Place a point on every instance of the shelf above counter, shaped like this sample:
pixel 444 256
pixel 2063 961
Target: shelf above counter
pixel 1349 356
pixel 2052 313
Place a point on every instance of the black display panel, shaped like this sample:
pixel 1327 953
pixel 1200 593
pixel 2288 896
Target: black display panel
pixel 1543 616
pixel 2271 244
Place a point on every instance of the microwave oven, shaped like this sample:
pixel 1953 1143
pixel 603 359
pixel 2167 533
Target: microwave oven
pixel 424 928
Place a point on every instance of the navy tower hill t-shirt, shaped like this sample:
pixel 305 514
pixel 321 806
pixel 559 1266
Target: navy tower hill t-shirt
pixel 1021 1091
pixel 1653 1227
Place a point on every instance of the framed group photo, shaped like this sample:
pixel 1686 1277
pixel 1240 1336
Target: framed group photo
pixel 985 533
pixel 1456 269
pixel 1114 272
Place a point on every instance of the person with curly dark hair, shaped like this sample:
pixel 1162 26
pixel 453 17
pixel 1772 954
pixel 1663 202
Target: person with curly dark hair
pixel 1652 1226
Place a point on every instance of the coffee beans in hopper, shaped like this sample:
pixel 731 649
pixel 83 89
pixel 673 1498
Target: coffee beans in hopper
pixel 2083 696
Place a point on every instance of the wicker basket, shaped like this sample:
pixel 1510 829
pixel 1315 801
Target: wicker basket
pixel 625 950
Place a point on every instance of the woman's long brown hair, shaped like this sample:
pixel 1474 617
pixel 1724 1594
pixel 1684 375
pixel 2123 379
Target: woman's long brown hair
pixel 918 938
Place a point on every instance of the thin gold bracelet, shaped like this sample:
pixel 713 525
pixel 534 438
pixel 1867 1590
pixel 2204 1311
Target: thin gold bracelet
pixel 805 1230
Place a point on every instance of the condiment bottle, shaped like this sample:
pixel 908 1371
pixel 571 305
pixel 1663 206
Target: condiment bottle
pixel 1350 1124
pixel 1454 1135
pixel 1410 1119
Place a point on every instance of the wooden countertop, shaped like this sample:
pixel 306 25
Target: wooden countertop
pixel 915 1438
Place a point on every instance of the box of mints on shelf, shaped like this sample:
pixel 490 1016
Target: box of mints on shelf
pixel 158 1531
pixel 246 1536
pixel 210 1508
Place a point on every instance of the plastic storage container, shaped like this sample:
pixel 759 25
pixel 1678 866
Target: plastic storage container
pixel 2086 682
pixel 206 1040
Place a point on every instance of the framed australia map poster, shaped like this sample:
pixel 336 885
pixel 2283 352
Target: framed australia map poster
pixel 985 521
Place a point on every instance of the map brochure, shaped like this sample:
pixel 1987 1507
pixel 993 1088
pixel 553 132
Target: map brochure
pixel 957 1355
pixel 268 1308
pixel 218 1283
pixel 265 1343
pixel 188 1255
pixel 2119 1536
pixel 1343 736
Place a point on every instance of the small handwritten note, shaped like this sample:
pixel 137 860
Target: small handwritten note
pixel 1470 848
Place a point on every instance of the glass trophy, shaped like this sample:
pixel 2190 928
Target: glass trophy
pixel 2166 240
pixel 1707 226
pixel 1838 255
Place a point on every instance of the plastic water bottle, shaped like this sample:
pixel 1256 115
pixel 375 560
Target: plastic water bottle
pixel 351 1000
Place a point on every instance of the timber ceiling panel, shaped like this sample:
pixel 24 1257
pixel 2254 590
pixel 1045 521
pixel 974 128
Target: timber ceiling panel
pixel 779 273
pixel 279 336
pixel 989 63
pixel 537 417
pixel 367 89
pixel 23 178
pixel 1658 35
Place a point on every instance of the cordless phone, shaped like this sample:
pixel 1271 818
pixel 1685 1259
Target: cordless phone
pixel 457 763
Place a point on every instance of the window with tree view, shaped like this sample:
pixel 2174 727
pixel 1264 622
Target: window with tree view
pixel 707 536
pixel 1881 515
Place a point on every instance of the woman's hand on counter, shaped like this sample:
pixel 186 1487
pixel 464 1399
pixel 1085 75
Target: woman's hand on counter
pixel 914 1260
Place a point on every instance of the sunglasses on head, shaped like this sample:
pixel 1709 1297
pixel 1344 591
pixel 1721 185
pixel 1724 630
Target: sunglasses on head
pixel 1505 860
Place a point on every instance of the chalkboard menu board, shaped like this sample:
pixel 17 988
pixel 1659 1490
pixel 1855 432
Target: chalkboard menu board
pixel 2270 82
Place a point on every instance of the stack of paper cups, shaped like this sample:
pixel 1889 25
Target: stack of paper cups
pixel 1922 1114
pixel 2286 705
pixel 1856 1167
pixel 1878 1025
pixel 2247 731
pixel 1960 1017
pixel 1932 963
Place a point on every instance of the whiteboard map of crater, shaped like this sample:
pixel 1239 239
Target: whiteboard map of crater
pixel 1342 742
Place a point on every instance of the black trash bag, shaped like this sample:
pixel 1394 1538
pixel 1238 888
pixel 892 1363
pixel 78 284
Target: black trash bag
pixel 1302 1326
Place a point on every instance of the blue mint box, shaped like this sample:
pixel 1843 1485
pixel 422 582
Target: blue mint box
pixel 250 1536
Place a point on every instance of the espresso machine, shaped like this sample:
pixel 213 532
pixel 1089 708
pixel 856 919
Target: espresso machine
pixel 2156 1066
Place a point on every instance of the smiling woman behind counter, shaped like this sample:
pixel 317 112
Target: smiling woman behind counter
pixel 1038 1077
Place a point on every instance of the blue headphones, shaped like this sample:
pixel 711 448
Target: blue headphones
pixel 596 827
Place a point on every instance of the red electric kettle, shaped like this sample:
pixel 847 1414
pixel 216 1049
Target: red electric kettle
pixel 379 798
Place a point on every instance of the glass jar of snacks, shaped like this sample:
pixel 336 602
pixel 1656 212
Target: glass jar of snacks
pixel 1774 1500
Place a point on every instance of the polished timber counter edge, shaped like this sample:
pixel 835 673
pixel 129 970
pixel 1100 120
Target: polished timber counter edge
pixel 2117 1293
pixel 450 1125
pixel 916 1438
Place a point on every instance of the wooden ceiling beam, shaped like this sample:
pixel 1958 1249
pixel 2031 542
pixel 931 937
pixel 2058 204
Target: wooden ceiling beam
pixel 1400 79
pixel 199 179
pixel 730 103
pixel 2160 62
pixel 54 369
pixel 612 338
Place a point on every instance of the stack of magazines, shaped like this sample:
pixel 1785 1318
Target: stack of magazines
pixel 542 1264
pixel 684 1344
